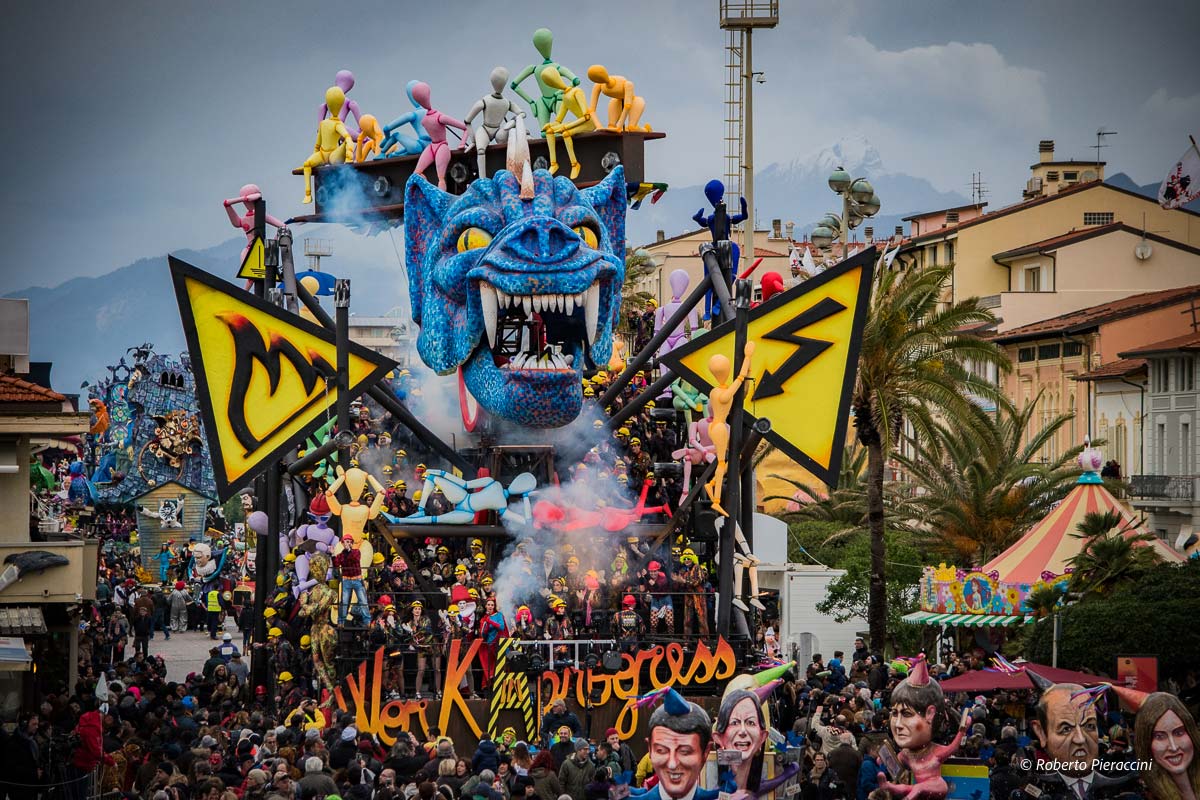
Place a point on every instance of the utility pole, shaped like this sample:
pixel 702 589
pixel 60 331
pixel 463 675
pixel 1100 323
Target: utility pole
pixel 748 144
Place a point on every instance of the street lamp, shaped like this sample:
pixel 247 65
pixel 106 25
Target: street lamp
pixel 859 202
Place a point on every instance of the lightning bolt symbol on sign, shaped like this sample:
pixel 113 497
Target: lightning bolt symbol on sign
pixel 807 349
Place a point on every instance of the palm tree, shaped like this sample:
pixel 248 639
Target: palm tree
pixel 982 485
pixel 639 265
pixel 1113 553
pixel 1044 600
pixel 913 367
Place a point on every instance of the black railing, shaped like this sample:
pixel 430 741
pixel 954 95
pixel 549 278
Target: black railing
pixel 1163 487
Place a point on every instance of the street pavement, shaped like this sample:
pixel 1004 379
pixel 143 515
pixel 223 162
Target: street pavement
pixel 186 652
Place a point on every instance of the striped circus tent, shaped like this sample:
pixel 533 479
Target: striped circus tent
pixel 1049 544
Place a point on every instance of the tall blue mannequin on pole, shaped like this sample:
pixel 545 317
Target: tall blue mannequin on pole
pixel 714 191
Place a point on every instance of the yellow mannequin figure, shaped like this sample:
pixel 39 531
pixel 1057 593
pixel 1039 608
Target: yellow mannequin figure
pixel 720 401
pixel 313 286
pixel 625 108
pixel 575 101
pixel 334 142
pixel 354 514
pixel 369 138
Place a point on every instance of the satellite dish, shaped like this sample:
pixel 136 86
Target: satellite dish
pixel 1143 250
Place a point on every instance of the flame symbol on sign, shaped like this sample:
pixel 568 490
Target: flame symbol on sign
pixel 248 347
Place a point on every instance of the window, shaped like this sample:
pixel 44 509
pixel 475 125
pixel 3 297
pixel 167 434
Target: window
pixel 1185 374
pixel 932 251
pixel 1070 349
pixel 949 252
pixel 1032 279
pixel 1052 175
pixel 1185 448
pixel 1071 176
pixel 1097 217
pixel 1161 376
pixel 1026 354
pixel 1048 351
pixel 1160 447
pixel 1121 441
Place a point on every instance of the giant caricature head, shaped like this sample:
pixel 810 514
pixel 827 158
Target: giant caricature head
pixel 741 725
pixel 1067 727
pixel 678 744
pixel 202 554
pixel 546 272
pixel 1166 733
pixel 916 703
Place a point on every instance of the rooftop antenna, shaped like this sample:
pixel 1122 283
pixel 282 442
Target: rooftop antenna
pixel 978 188
pixel 1100 134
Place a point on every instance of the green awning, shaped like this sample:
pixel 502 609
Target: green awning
pixel 966 620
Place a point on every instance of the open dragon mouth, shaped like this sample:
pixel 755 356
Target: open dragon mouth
pixel 538 332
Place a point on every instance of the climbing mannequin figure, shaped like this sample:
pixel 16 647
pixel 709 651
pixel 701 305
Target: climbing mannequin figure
pixel 495 124
pixel 574 101
pixel 679 281
pixel 720 401
pixel 714 192
pixel 546 105
pixel 625 108
pixel 334 142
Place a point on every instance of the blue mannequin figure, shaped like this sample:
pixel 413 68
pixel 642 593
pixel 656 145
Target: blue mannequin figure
pixel 397 144
pixel 714 190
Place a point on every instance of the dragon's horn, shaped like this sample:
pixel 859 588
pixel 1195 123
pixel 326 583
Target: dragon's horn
pixel 763 677
pixel 517 158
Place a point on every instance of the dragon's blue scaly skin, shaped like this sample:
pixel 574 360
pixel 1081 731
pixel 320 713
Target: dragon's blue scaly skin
pixel 535 249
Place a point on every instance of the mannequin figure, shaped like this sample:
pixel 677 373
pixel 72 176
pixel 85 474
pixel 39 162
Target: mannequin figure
pixel 368 139
pixel 699 451
pixel 334 142
pixel 574 101
pixel 247 196
pixel 354 514
pixel 714 192
pixel 686 399
pixel 720 401
pixel 344 80
pixel 679 281
pixel 546 105
pixel 625 108
pixel 397 144
pixel 315 604
pixel 435 123
pixel 495 125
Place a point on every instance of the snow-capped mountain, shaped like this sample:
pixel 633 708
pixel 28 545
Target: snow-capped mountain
pixel 797 191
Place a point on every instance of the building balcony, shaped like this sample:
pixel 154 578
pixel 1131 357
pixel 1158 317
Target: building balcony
pixel 1163 488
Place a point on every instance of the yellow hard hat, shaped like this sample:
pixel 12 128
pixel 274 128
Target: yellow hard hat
pixel 652 302
pixel 444 549
pixel 622 431
pixel 274 632
pixel 306 641
pixel 477 543
pixel 420 467
pixel 453 609
pixel 414 604
pixel 387 469
pixel 474 593
pixel 286 676
pixel 400 484
pixel 279 580
pixel 401 453
pixel 270 612
pixel 573 560
pixel 588 391
pixel 377 559
pixel 487 580
pixel 417 495
pixel 635 440
pixel 289 558
pixel 480 558
pixel 461 569
pixel 279 598
pixel 557 602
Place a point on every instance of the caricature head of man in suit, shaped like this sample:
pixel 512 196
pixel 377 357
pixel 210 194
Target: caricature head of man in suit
pixel 1068 729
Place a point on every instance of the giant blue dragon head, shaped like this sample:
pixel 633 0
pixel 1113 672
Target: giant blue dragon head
pixel 523 295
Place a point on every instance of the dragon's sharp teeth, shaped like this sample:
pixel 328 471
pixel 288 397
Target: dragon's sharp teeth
pixel 591 311
pixel 569 304
pixel 487 297
pixel 527 304
pixel 502 299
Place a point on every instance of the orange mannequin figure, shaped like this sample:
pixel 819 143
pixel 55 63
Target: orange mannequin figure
pixel 368 138
pixel 334 143
pixel 354 514
pixel 625 108
pixel 575 101
pixel 720 401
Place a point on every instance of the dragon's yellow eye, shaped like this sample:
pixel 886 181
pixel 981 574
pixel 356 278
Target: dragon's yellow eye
pixel 588 235
pixel 473 239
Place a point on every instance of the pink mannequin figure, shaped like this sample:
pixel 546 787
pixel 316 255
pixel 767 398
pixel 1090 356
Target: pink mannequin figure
pixel 916 704
pixel 435 123
pixel 247 197
pixel 679 284
pixel 344 80
pixel 700 450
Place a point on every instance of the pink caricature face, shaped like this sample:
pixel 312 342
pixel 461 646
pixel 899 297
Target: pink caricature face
pixel 911 729
pixel 744 731
pixel 1170 744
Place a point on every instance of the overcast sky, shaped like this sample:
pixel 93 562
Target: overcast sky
pixel 128 122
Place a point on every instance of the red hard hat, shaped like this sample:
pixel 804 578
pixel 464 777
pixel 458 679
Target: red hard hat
pixel 628 600
pixel 654 566
pixel 179 584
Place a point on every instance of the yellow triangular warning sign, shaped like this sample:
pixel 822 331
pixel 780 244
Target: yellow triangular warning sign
pixel 265 378
pixel 802 374
pixel 254 265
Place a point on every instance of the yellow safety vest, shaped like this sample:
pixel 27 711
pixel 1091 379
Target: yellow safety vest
pixel 214 600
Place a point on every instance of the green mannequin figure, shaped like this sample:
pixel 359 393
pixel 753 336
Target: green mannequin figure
pixel 544 107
